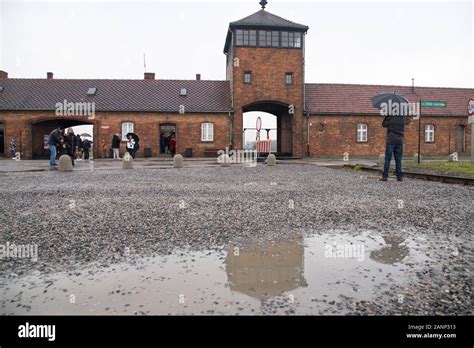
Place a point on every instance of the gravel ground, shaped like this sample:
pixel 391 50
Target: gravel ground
pixel 102 216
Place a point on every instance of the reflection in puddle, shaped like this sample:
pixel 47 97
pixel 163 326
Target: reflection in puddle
pixel 255 279
pixel 263 271
pixel 393 252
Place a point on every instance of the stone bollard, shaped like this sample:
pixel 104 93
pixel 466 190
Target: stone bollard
pixel 381 160
pixel 65 163
pixel 178 161
pixel 415 158
pixel 453 157
pixel 127 161
pixel 224 160
pixel 271 160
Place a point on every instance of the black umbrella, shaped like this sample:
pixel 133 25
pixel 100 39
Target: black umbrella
pixel 134 136
pixel 378 100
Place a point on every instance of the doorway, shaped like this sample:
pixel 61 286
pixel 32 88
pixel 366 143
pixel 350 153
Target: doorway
pixel 2 139
pixel 166 131
pixel 461 139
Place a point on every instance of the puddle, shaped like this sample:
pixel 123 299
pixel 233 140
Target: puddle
pixel 310 275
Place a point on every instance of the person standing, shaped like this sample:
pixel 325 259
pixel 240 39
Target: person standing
pixel 162 143
pixel 86 146
pixel 79 147
pixel 172 145
pixel 131 146
pixel 13 148
pixel 116 145
pixel 70 142
pixel 53 142
pixel 395 134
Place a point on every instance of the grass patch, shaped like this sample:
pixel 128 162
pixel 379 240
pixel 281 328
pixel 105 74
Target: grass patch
pixel 448 167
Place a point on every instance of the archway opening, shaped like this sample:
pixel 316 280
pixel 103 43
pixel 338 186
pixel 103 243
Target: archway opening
pixel 40 133
pixel 276 134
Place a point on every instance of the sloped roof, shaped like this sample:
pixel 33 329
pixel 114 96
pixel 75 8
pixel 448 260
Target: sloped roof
pixel 264 18
pixel 340 99
pixel 117 95
pixel 210 96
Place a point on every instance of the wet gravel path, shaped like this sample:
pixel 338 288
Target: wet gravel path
pixel 105 216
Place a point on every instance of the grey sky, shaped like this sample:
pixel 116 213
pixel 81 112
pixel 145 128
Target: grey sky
pixel 371 42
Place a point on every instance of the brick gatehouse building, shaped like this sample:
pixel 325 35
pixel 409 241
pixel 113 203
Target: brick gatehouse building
pixel 265 57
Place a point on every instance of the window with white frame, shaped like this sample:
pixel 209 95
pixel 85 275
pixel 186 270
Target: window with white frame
pixel 207 132
pixel 361 133
pixel 429 133
pixel 127 127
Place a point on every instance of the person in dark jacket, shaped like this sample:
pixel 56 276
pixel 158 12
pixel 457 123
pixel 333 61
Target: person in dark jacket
pixel 86 146
pixel 162 143
pixel 71 144
pixel 395 133
pixel 53 142
pixel 79 146
pixel 116 145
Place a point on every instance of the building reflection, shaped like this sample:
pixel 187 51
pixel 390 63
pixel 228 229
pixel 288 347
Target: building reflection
pixel 263 271
pixel 392 252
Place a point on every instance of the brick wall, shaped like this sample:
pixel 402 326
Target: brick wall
pixel 21 125
pixel 339 135
pixel 268 67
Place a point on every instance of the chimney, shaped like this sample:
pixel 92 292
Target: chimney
pixel 49 75
pixel 413 85
pixel 3 75
pixel 149 76
pixel 198 77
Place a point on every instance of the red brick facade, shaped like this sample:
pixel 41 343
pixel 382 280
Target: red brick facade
pixel 330 113
pixel 22 126
pixel 334 135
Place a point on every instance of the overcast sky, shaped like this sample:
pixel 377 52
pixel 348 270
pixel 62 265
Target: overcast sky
pixel 371 42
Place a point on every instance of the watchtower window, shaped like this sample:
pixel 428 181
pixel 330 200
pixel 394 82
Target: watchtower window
pixel 246 37
pixel 290 39
pixel 267 38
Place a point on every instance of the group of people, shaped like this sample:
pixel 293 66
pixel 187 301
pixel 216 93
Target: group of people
pixel 67 143
pixel 168 143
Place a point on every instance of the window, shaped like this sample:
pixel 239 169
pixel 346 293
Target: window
pixel 127 127
pixel 262 37
pixel 245 37
pixel 275 39
pixel 247 77
pixel 91 90
pixel 289 78
pixel 297 43
pixel 183 92
pixel 252 37
pixel 429 133
pixel 361 133
pixel 290 39
pixel 207 132
pixel 284 38
pixel 239 37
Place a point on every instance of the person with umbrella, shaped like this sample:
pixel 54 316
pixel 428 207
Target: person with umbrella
pixel 132 144
pixel 392 105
